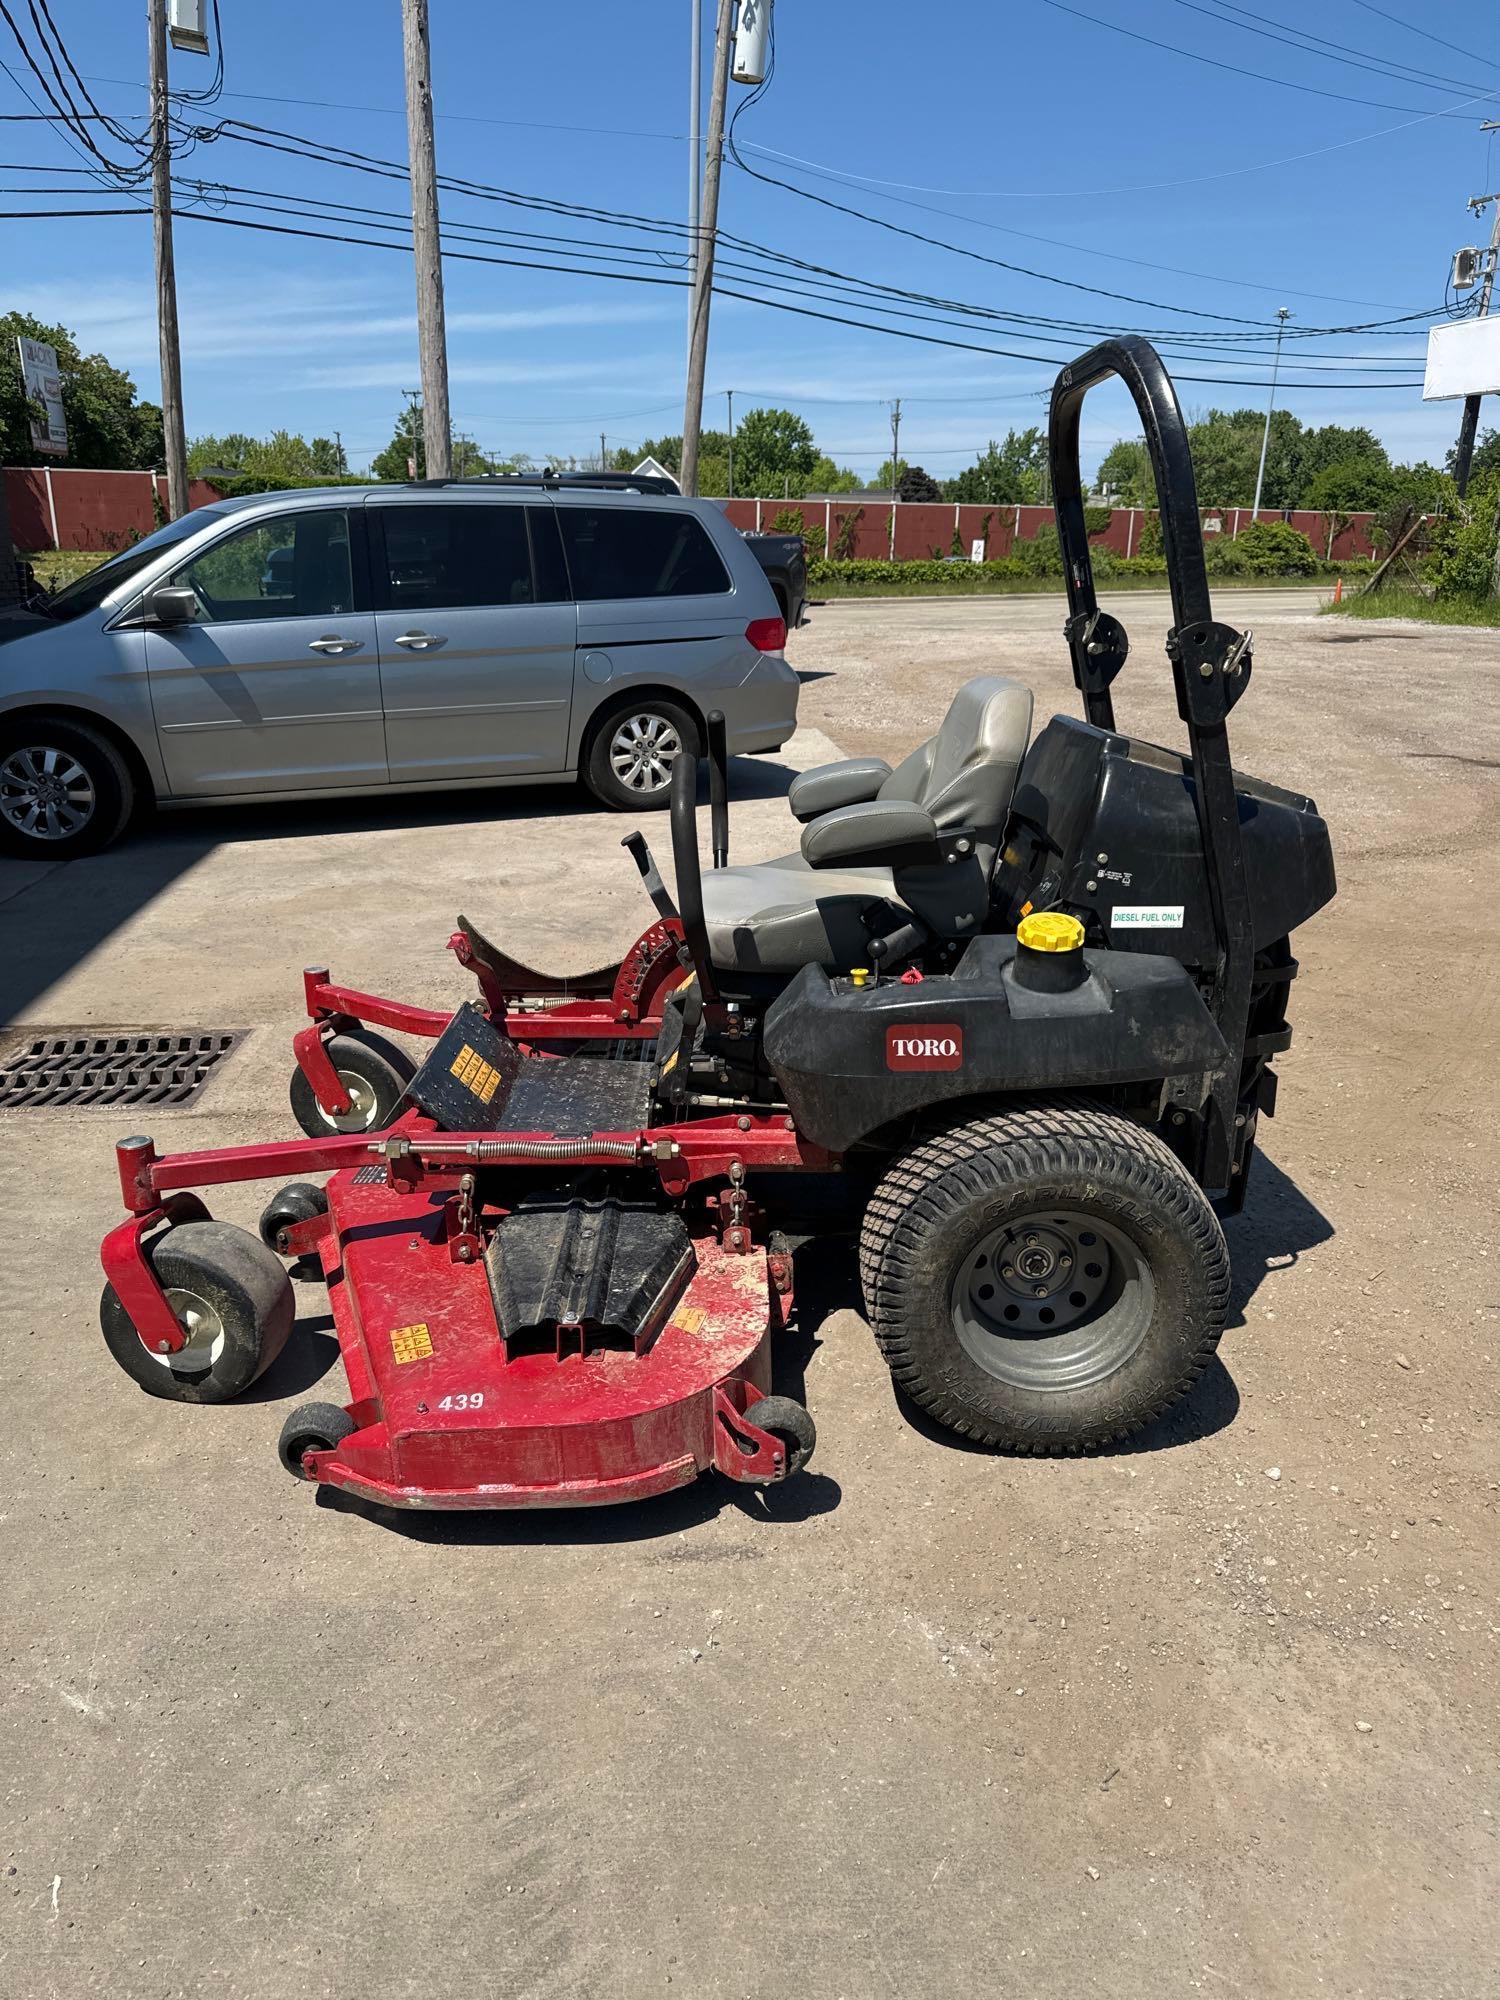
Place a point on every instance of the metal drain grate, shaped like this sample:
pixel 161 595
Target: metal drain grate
pixel 70 1071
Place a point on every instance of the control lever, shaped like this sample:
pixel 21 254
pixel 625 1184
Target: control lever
pixel 656 889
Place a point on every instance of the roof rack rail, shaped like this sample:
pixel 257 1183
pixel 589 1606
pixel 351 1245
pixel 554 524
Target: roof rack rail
pixel 619 482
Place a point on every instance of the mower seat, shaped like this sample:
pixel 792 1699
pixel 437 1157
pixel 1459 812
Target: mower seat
pixel 869 861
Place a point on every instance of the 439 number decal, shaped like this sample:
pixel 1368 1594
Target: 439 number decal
pixel 468 1399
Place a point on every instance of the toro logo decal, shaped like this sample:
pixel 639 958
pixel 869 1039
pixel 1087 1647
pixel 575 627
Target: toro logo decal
pixel 925 1045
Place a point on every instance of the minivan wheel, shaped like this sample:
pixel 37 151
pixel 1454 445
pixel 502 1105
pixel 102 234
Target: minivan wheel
pixel 64 790
pixel 632 751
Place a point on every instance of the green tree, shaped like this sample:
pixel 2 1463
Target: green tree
pixel 1126 470
pixel 918 484
pixel 1004 474
pixel 392 462
pixel 1486 454
pixel 889 475
pixel 774 453
pixel 1333 444
pixel 107 426
pixel 826 477
pixel 1351 486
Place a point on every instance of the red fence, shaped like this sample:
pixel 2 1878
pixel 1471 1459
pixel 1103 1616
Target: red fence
pixel 70 508
pixel 858 527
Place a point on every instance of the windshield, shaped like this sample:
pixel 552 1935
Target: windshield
pixel 87 593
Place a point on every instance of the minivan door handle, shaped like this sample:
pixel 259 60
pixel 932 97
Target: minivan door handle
pixel 418 642
pixel 332 643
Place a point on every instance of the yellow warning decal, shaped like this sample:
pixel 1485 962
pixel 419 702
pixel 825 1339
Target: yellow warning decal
pixel 670 1064
pixel 475 1074
pixel 411 1343
pixel 690 1318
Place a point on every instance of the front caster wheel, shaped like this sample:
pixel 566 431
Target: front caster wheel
pixel 1047 1279
pixel 231 1296
pixel 791 1425
pixel 373 1071
pixel 311 1427
pixel 298 1201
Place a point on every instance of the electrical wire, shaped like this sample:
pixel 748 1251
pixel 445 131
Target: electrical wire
pixel 676 283
pixel 1297 39
pixel 1236 69
pixel 1485 62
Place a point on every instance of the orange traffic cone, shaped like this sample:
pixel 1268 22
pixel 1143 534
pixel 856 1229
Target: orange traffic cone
pixel 1338 590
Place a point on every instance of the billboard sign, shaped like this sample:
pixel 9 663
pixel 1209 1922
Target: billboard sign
pixel 42 384
pixel 1463 359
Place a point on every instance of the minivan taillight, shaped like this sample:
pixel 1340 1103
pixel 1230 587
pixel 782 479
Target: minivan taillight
pixel 766 635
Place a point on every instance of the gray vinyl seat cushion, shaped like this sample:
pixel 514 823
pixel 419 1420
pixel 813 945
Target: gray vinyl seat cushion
pixel 775 915
pixel 782 914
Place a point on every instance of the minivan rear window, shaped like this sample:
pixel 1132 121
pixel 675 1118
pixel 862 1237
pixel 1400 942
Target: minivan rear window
pixel 639 552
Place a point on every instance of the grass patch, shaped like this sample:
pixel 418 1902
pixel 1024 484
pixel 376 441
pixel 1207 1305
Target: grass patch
pixel 55 567
pixel 1426 610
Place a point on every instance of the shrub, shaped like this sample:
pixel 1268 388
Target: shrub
pixel 1274 548
pixel 1463 560
pixel 1097 519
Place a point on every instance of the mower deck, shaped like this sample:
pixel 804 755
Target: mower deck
pixel 451 1416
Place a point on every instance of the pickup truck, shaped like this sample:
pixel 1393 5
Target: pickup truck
pixel 784 561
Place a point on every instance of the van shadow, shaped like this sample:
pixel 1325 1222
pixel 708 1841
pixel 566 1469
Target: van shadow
pixel 52 919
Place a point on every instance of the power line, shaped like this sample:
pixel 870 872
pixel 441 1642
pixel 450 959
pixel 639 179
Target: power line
pixel 750 298
pixel 1296 39
pixel 1236 69
pixel 1486 62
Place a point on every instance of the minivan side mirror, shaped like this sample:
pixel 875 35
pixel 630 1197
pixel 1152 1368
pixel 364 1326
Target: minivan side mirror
pixel 171 605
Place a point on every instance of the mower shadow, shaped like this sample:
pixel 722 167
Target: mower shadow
pixel 1277 1224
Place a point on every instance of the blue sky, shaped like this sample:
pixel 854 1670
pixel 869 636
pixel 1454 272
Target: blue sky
pixel 1001 125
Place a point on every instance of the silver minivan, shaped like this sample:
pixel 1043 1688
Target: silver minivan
pixel 387 638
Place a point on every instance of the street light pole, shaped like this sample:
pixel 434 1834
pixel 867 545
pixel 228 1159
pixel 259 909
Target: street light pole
pixel 895 469
pixel 1283 314
pixel 729 393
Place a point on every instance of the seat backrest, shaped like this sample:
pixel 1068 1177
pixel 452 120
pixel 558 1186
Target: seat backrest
pixel 965 775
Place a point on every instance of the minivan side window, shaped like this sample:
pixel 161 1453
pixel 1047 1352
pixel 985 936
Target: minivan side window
pixel 290 566
pixel 446 558
pixel 638 552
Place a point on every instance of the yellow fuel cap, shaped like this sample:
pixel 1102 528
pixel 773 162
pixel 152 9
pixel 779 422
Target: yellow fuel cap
pixel 859 975
pixel 1050 930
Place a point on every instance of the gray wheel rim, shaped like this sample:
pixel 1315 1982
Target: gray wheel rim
pixel 1052 1301
pixel 45 792
pixel 203 1327
pixel 642 751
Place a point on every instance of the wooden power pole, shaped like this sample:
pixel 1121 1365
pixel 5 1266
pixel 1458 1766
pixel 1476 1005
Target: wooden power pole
pixel 703 260
pixel 427 249
pixel 174 436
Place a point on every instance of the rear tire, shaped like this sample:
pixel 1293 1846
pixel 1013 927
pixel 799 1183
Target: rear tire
pixel 1047 1279
pixel 791 1424
pixel 65 790
pixel 233 1297
pixel 628 764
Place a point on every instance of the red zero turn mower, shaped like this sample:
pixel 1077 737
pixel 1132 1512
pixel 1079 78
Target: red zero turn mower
pixel 1022 995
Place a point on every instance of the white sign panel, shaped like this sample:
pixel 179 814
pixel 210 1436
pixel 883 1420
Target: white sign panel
pixel 42 384
pixel 976 549
pixel 1463 359
pixel 187 27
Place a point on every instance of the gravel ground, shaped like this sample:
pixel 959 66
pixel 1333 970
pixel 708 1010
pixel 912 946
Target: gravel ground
pixel 1212 1714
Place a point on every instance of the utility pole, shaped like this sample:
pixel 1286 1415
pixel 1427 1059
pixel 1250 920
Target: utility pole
pixel 174 436
pixel 1463 450
pixel 338 449
pixel 730 394
pixel 703 257
pixel 895 469
pixel 695 161
pixel 427 249
pixel 603 456
pixel 1283 314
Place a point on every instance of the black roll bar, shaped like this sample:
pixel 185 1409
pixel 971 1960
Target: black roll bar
pixel 1210 665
